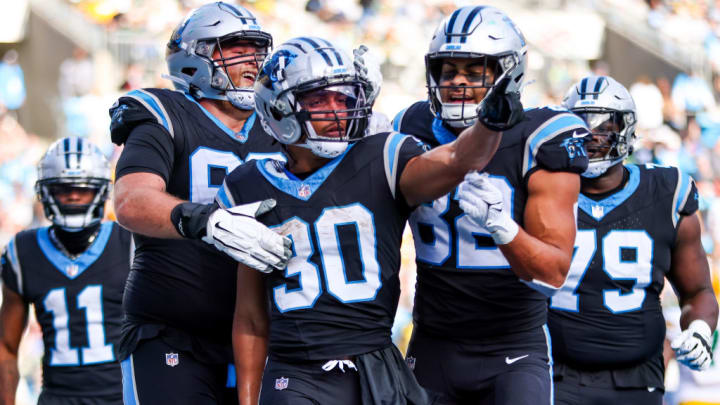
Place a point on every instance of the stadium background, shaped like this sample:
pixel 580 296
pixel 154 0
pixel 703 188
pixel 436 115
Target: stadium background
pixel 64 62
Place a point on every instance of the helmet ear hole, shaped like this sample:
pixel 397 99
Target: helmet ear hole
pixel 189 71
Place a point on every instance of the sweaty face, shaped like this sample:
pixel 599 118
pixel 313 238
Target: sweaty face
pixel 241 60
pixel 328 109
pixel 460 79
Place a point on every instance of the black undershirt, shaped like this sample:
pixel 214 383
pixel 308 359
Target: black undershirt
pixel 75 243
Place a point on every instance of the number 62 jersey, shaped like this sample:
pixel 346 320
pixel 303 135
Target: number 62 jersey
pixel 77 304
pixel 608 313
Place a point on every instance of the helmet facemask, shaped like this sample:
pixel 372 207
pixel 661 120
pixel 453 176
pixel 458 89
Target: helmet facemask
pixel 73 217
pixel 239 95
pixel 612 139
pixel 346 124
pixel 458 108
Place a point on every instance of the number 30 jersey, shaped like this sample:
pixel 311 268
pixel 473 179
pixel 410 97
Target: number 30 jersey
pixel 339 293
pixel 77 304
pixel 186 285
pixel 465 288
pixel 608 314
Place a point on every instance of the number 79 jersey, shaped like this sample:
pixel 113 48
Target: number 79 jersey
pixel 608 313
pixel 77 304
pixel 340 290
pixel 465 288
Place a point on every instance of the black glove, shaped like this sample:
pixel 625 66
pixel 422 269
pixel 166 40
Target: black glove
pixel 500 110
pixel 190 219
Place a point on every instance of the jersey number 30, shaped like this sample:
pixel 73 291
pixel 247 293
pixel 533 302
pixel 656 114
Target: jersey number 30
pixel 638 269
pixel 326 229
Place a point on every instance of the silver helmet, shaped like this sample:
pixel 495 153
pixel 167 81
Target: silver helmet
pixel 474 32
pixel 298 68
pixel 190 52
pixel 73 162
pixel 608 109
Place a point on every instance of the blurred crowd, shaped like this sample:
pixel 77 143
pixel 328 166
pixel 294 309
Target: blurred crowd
pixel 678 117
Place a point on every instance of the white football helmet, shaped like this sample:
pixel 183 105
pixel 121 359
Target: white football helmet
pixel 302 66
pixel 73 162
pixel 474 32
pixel 190 52
pixel 608 109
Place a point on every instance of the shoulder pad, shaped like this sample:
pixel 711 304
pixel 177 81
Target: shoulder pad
pixel 135 108
pixel 555 141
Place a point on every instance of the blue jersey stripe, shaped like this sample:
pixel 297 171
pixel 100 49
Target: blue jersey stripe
pixel 396 140
pixel 82 262
pixel 128 374
pixel 156 108
pixel 610 203
pixel 397 121
pixel 684 181
pixel 223 198
pixel 567 121
pixel 241 136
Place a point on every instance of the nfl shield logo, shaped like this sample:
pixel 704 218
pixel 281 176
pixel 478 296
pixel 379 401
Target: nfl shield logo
pixel 172 359
pixel 72 270
pixel 281 383
pixel 304 191
pixel 598 211
pixel 410 360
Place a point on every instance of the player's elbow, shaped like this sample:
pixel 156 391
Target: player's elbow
pixel 556 278
pixel 123 210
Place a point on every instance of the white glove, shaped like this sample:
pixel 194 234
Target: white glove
pixel 369 69
pixel 483 202
pixel 692 347
pixel 237 233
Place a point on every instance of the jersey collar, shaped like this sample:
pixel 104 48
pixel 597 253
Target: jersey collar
pixel 599 209
pixel 442 134
pixel 72 268
pixel 276 173
pixel 240 136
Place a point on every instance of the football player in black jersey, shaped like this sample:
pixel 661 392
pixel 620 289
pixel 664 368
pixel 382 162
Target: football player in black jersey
pixel 179 145
pixel 73 273
pixel 343 200
pixel 637 225
pixel 480 311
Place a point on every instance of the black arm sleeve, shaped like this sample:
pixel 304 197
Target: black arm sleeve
pixel 148 149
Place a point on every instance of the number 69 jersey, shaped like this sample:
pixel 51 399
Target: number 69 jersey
pixel 465 288
pixel 339 293
pixel 608 314
pixel 77 304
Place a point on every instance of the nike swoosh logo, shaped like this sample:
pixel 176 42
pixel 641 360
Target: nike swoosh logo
pixel 508 360
pixel 575 135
